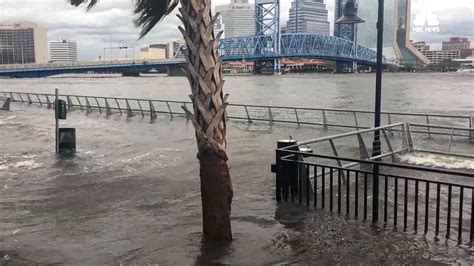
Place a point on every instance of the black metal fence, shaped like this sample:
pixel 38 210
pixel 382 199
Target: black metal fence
pixel 432 201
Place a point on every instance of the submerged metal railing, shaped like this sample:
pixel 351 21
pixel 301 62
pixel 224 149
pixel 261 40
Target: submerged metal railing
pixel 411 198
pixel 325 117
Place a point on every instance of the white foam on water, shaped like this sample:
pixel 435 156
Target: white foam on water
pixel 437 160
pixel 29 164
pixel 4 120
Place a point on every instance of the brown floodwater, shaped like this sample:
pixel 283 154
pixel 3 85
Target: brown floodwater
pixel 131 194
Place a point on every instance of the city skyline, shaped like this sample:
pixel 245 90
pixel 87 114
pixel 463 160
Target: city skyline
pixel 110 23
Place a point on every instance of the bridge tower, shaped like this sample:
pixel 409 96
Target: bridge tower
pixel 267 19
pixel 342 30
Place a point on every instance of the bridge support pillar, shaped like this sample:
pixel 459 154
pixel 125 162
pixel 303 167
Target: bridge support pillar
pixel 175 71
pixel 130 73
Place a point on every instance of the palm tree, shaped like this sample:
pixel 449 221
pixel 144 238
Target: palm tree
pixel 204 72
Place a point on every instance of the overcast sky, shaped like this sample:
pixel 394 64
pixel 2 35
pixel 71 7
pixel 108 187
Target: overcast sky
pixel 111 23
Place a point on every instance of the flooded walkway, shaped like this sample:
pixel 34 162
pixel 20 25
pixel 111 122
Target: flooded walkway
pixel 131 196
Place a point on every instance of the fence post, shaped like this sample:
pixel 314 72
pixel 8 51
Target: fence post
pixel 69 103
pixel 184 104
pixel 286 172
pixel 409 138
pixel 11 96
pixel 6 105
pixel 356 122
pixel 270 115
pixel 21 98
pixel 375 190
pixel 29 99
pixel 141 109
pixel 389 122
pixel 389 144
pixel 80 104
pixel 39 100
pixel 363 152
pixel 152 111
pixel 48 102
pixel 336 154
pixel 98 105
pixel 108 111
pixel 129 109
pixel 325 121
pixel 278 175
pixel 118 106
pixel 451 140
pixel 88 105
pixel 428 123
pixel 297 117
pixel 471 133
pixel 169 109
pixel 248 115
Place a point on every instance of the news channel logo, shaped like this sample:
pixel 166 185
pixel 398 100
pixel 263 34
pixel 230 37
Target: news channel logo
pixel 426 20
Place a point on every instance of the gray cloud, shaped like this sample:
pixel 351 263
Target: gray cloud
pixel 111 23
pixel 456 21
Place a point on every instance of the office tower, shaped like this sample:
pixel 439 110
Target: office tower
pixel 308 16
pixel 63 51
pixel 238 18
pixel 23 43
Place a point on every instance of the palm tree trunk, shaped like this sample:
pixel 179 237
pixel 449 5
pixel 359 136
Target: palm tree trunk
pixel 204 72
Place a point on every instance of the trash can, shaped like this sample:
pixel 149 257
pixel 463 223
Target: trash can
pixel 67 140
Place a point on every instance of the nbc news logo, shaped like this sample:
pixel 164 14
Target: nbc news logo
pixel 426 21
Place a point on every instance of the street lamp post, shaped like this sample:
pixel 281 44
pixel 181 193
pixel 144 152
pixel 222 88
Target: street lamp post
pixel 120 48
pixel 376 148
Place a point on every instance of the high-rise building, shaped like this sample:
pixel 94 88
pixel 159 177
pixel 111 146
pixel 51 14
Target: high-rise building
pixel 308 16
pixel 154 52
pixel 23 43
pixel 219 27
pixel 421 46
pixel 438 56
pixel 457 43
pixel 238 18
pixel 63 51
pixel 397 47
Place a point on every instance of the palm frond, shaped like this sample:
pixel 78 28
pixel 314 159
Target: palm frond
pixel 90 4
pixel 149 12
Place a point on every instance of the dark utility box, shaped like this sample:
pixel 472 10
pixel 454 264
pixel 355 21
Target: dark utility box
pixel 67 140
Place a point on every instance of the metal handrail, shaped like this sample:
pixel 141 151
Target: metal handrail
pixel 289 157
pixel 353 133
pixel 296 115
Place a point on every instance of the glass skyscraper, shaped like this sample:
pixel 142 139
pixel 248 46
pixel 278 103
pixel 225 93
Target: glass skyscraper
pixel 23 43
pixel 396 39
pixel 308 16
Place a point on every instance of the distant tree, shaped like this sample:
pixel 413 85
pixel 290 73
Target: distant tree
pixel 204 73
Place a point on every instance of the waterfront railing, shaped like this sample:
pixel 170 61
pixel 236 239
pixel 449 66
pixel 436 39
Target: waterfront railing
pixel 433 201
pixel 325 117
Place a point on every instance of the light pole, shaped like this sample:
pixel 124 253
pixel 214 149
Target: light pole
pixel 350 17
pixel 376 149
pixel 120 48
